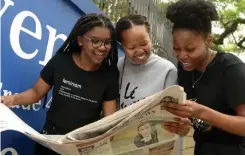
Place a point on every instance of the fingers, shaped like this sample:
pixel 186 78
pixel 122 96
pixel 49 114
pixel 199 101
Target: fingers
pixel 6 100
pixel 2 99
pixel 182 110
pixel 180 130
pixel 181 113
pixel 176 106
pixel 185 121
pixel 180 127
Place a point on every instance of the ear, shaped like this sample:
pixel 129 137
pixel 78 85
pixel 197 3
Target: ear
pixel 79 41
pixel 209 41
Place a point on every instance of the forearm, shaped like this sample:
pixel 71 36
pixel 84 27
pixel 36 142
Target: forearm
pixel 228 123
pixel 27 97
pixel 110 111
pixel 109 107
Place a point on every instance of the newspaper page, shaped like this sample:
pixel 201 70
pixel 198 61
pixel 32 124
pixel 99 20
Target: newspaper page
pixel 137 129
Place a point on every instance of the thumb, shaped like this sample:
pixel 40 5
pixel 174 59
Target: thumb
pixel 2 99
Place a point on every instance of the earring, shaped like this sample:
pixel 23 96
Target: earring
pixel 80 44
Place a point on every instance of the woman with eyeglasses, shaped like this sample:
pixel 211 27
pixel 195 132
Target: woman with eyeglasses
pixel 214 80
pixel 84 77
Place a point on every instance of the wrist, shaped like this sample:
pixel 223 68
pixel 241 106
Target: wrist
pixel 203 113
pixel 14 99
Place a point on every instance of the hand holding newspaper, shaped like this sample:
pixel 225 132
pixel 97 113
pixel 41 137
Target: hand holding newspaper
pixel 137 129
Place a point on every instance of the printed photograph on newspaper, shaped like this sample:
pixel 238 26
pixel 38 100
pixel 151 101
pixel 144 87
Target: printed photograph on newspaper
pixel 144 137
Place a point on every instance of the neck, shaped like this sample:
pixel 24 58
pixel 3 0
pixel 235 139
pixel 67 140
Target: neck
pixel 85 63
pixel 209 57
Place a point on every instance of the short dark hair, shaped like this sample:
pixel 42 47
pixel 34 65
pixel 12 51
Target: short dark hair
pixel 193 15
pixel 127 22
pixel 84 25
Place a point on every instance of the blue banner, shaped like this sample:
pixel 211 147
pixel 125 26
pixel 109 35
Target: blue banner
pixel 31 32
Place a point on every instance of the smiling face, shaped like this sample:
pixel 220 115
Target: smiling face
pixel 137 44
pixel 90 42
pixel 190 48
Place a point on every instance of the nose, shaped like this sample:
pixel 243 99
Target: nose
pixel 181 55
pixel 103 48
pixel 139 51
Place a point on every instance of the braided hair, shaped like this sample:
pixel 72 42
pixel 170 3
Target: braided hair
pixel 127 22
pixel 84 25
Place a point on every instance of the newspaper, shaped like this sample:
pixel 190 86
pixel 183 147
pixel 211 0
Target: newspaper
pixel 136 129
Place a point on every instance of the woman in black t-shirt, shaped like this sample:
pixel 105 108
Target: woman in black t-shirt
pixel 84 77
pixel 214 81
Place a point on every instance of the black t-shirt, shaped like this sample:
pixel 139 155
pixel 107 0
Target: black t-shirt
pixel 222 88
pixel 78 95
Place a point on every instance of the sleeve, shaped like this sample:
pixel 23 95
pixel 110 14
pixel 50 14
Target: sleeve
pixel 171 78
pixel 112 90
pixel 235 85
pixel 47 73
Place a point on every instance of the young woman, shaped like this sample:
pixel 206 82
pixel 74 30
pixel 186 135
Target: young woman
pixel 214 81
pixel 84 77
pixel 143 73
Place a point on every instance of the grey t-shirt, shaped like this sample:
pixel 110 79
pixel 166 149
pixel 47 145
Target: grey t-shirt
pixel 140 81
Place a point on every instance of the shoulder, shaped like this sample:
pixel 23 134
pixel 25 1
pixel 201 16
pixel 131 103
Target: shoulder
pixel 231 66
pixel 120 62
pixel 163 63
pixel 59 57
pixel 110 72
pixel 228 60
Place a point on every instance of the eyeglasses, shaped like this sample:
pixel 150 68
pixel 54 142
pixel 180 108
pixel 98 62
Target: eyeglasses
pixel 96 43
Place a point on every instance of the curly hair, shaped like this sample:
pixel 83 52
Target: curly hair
pixel 193 15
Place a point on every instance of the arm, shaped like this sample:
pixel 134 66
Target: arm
pixel 109 107
pixel 234 88
pixel 42 86
pixel 29 96
pixel 228 123
pixel 171 78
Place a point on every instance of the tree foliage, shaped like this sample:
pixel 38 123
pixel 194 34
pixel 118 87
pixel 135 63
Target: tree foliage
pixel 232 24
pixel 229 31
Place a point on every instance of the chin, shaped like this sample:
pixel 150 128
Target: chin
pixel 140 62
pixel 188 69
pixel 97 62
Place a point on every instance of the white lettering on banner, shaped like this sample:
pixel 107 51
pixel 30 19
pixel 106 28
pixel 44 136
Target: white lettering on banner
pixel 33 107
pixel 51 42
pixel 9 150
pixel 7 3
pixel 48 104
pixel 15 29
